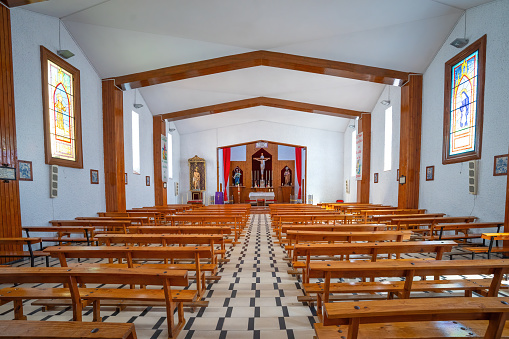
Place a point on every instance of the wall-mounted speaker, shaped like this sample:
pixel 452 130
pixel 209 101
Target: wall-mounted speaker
pixel 472 176
pixel 53 181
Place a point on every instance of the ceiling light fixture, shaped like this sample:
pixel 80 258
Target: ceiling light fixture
pixel 64 53
pixel 461 42
pixel 388 101
pixel 135 104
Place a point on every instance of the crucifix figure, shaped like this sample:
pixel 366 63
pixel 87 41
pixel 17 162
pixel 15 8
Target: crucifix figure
pixel 262 160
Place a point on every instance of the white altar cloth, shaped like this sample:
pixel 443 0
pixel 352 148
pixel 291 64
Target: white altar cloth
pixel 261 195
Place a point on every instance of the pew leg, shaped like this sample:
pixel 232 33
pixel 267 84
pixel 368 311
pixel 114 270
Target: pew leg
pixel 319 306
pixel 97 310
pixel 353 328
pixel 496 325
pixel 18 310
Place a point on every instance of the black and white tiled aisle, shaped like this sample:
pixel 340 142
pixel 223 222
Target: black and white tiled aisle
pixel 256 297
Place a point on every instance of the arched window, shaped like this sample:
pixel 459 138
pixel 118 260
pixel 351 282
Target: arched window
pixel 62 111
pixel 464 103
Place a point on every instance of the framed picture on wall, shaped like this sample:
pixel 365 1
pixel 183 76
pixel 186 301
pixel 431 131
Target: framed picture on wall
pixel 25 170
pixel 499 166
pixel 94 176
pixel 125 178
pixel 376 178
pixel 176 188
pixel 147 180
pixel 430 173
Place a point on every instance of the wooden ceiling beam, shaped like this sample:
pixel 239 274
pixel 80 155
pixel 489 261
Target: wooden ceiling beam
pixel 261 101
pixel 262 58
pixel 17 3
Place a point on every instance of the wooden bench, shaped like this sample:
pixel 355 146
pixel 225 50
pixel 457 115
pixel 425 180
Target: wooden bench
pixel 63 233
pixel 371 249
pixel 234 221
pixel 368 213
pixel 134 220
pixel 19 242
pixel 74 277
pixel 296 237
pixel 119 226
pixel 427 222
pixel 10 329
pixel 410 311
pixel 407 269
pixel 437 230
pixel 492 237
pixel 334 228
pixel 167 239
pixel 224 230
pixel 387 218
pixel 130 253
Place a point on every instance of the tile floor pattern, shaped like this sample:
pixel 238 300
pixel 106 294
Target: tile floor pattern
pixel 255 298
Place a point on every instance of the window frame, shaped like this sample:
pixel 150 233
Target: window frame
pixel 388 139
pixel 480 46
pixel 136 142
pixel 46 56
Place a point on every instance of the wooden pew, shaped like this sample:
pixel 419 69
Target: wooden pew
pixel 367 213
pixel 427 222
pixel 334 228
pixel 234 221
pixel 407 269
pixel 80 276
pixel 296 237
pixel 437 230
pixel 14 329
pixel 387 218
pixel 20 253
pixel 134 220
pixel 63 233
pixel 167 239
pixel 371 249
pixel 492 237
pixel 107 225
pixel 130 253
pixel 224 230
pixel 354 314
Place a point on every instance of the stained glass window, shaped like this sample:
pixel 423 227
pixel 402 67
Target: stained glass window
pixel 61 111
pixel 464 101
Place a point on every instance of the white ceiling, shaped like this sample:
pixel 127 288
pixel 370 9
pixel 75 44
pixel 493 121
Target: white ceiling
pixel 144 35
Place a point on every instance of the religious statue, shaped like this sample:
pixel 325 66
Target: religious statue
pixel 236 176
pixel 288 176
pixel 262 160
pixel 196 179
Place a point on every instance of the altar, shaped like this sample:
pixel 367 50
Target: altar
pixel 264 196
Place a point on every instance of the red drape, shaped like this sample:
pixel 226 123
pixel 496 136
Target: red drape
pixel 298 167
pixel 226 170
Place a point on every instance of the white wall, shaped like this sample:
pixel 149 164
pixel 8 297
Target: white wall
pixel 386 190
pixel 325 153
pixel 76 196
pixel 448 193
pixel 137 193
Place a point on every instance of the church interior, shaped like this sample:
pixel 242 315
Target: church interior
pixel 254 169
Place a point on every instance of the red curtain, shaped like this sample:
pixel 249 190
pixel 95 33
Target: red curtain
pixel 226 170
pixel 298 167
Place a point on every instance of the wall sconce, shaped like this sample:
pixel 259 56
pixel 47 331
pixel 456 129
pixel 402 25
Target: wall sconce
pixel 402 180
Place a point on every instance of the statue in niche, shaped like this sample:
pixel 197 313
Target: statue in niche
pixel 288 176
pixel 262 160
pixel 236 176
pixel 196 179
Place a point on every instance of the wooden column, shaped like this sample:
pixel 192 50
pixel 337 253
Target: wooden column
pixel 161 197
pixel 113 140
pixel 364 127
pixel 10 214
pixel 410 142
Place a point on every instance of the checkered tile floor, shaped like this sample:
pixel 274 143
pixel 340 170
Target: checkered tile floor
pixel 255 298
